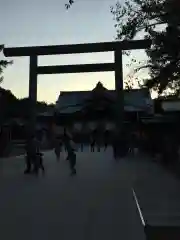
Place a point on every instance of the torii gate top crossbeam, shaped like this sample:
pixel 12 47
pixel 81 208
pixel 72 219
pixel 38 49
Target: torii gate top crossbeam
pixel 77 48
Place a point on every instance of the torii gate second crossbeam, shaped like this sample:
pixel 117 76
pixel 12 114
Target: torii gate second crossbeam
pixel 117 67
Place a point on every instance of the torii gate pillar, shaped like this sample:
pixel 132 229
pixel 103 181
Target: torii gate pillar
pixel 32 94
pixel 119 89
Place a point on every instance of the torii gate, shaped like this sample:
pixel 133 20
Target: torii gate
pixel 117 67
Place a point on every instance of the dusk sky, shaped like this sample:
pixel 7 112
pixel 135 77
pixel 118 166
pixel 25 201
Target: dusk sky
pixel 45 22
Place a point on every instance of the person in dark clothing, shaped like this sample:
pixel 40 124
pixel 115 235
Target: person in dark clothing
pixel 58 147
pixel 29 155
pixel 170 149
pixel 105 146
pixel 133 143
pixel 92 144
pixel 39 163
pixel 120 145
pixel 115 144
pixel 34 157
pixel 38 159
pixel 105 140
pixel 82 143
pixel 72 163
pixel 28 164
pixel 71 153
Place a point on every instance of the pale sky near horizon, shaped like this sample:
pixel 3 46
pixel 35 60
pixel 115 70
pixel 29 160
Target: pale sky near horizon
pixel 45 22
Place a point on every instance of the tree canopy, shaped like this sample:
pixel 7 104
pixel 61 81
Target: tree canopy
pixel 12 107
pixel 3 64
pixel 159 21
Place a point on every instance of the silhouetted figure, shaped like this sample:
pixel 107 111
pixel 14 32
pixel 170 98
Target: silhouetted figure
pixel 30 154
pixel 39 163
pixel 115 144
pixel 58 147
pixel 34 156
pixel 133 144
pixel 65 134
pixel 92 144
pixel 38 159
pixel 71 152
pixel 105 146
pixel 120 145
pixel 28 164
pixel 105 140
pixel 170 149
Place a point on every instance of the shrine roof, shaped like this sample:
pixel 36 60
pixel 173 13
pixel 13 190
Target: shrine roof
pixel 134 99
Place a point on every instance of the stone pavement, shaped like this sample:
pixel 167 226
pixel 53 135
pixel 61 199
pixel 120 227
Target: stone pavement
pixel 98 203
pixel 158 193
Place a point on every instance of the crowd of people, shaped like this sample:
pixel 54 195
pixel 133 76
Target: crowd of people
pixel 34 156
pixel 163 147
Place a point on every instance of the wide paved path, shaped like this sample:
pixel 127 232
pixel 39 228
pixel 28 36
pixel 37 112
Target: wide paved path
pixel 98 203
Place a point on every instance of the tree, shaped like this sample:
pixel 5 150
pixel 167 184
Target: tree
pixel 3 64
pixel 7 101
pixel 159 21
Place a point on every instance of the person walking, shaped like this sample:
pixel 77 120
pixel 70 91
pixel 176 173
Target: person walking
pixel 29 155
pixel 37 156
pixel 40 162
pixel 120 145
pixel 58 147
pixel 133 143
pixel 106 134
pixel 70 146
pixel 92 143
pixel 115 146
